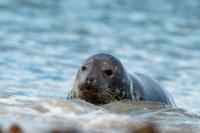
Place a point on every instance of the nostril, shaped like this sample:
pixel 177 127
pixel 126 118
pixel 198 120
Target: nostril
pixel 91 80
pixel 87 80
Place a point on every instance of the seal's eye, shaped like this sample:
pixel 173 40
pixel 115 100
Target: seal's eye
pixel 83 68
pixel 108 72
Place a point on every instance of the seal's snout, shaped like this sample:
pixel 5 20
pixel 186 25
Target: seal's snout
pixel 89 84
pixel 91 80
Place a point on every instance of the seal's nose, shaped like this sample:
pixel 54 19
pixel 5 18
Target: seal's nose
pixel 93 76
pixel 91 80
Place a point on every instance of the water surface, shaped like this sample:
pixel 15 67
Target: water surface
pixel 42 44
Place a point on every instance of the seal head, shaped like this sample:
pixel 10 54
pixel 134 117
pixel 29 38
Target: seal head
pixel 100 80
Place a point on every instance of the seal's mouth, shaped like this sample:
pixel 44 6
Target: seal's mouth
pixel 94 94
pixel 89 88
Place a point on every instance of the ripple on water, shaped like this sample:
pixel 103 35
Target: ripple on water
pixel 44 42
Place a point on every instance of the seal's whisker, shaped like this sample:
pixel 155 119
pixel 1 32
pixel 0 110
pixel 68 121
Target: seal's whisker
pixel 102 99
pixel 99 98
pixel 109 99
pixel 107 96
pixel 102 96
pixel 69 95
pixel 112 93
pixel 109 92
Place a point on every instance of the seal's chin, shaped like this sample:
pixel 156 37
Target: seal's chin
pixel 90 97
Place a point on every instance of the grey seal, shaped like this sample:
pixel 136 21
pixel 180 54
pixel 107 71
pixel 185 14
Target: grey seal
pixel 102 79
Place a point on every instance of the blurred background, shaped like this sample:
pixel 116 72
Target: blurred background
pixel 43 42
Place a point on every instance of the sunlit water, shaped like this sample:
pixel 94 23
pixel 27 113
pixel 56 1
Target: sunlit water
pixel 42 44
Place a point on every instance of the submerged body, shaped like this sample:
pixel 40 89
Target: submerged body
pixel 103 79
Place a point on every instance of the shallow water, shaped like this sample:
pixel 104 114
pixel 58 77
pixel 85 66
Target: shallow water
pixel 35 115
pixel 42 44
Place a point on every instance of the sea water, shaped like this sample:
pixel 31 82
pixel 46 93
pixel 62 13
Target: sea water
pixel 43 43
